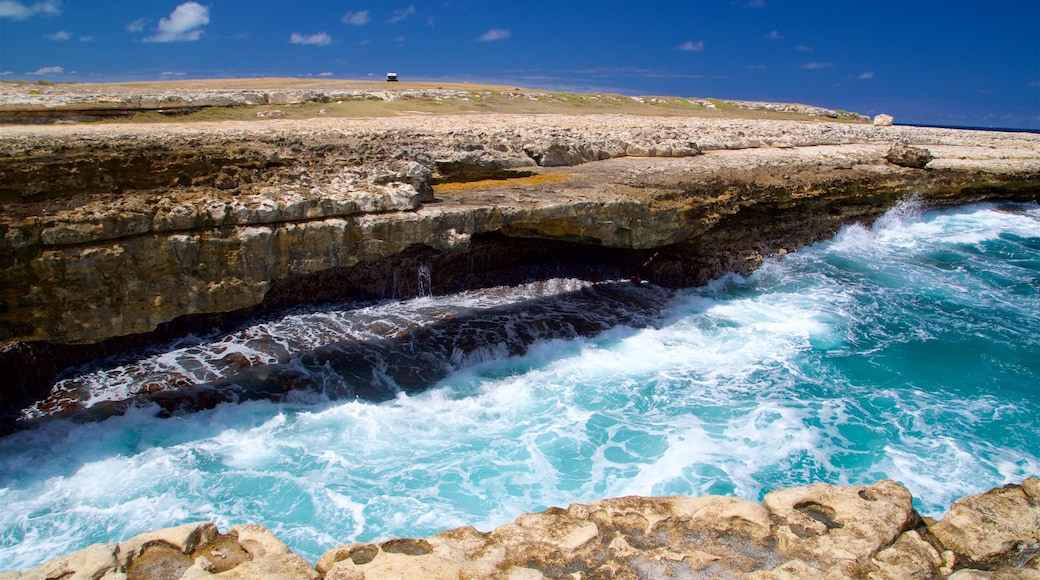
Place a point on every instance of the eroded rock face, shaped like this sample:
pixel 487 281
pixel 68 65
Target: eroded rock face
pixel 815 531
pixel 112 235
pixel 108 233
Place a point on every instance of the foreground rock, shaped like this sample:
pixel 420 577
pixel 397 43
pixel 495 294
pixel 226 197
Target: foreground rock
pixel 816 531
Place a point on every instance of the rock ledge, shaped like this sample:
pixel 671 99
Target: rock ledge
pixel 815 531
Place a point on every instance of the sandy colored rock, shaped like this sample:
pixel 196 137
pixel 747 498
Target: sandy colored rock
pixel 182 539
pixel 814 531
pixel 883 120
pixel 270 557
pixel 910 556
pixel 838 526
pixel 93 563
pixel 191 551
pixel 996 529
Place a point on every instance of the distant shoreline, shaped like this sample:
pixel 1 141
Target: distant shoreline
pixel 377 84
pixel 970 128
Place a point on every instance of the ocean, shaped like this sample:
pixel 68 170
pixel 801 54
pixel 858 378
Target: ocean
pixel 907 350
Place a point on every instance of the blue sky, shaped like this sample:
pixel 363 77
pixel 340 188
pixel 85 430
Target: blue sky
pixel 954 62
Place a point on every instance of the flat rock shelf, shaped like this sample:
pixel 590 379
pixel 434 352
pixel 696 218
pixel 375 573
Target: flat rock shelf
pixel 114 236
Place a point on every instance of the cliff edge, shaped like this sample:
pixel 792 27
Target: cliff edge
pixel 117 235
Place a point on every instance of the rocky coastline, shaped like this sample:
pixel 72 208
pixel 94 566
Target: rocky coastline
pixel 116 236
pixel 815 531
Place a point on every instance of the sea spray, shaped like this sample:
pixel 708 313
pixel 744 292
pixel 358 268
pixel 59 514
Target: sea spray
pixel 907 351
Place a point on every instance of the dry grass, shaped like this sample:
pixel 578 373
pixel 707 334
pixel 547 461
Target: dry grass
pixel 504 103
pixel 464 98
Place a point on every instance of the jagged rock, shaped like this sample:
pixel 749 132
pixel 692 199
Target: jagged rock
pixel 191 551
pixel 96 562
pixel 997 529
pixel 269 557
pixel 814 531
pixel 411 172
pixel 905 155
pixel 109 231
pixel 883 120
pixel 183 540
pixel 837 526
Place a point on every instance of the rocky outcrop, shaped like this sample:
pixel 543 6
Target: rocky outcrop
pixel 906 156
pixel 816 531
pixel 189 551
pixel 112 231
pixel 883 120
pixel 109 233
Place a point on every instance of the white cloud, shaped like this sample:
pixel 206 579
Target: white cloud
pixel 1034 84
pixel 774 35
pixel 170 73
pixel 866 76
pixel 6 73
pixel 494 34
pixel 183 24
pixel 803 48
pixel 16 10
pixel 319 39
pixel 48 70
pixel 692 46
pixel 401 14
pixel 86 39
pixel 325 74
pixel 137 25
pixel 359 18
pixel 58 36
pixel 816 65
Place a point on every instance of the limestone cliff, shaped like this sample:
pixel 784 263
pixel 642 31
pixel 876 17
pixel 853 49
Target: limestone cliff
pixel 110 232
pixel 816 531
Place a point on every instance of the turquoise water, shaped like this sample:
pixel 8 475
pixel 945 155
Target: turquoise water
pixel 910 350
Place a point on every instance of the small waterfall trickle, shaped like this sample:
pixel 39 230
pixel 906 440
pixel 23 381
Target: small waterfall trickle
pixel 425 281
